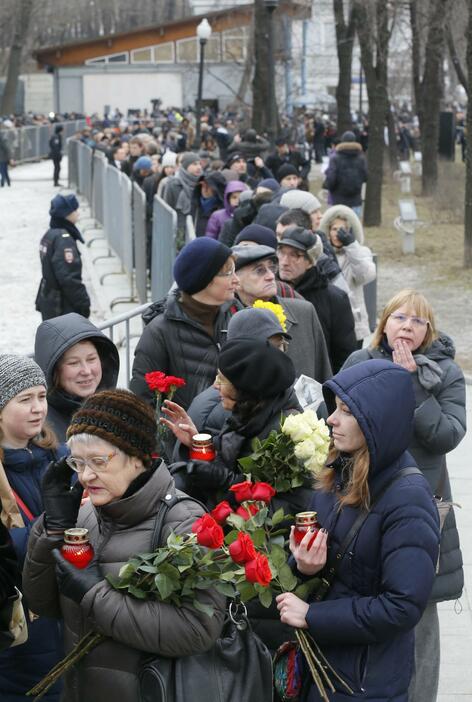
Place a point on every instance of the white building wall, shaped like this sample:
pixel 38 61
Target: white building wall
pixel 39 92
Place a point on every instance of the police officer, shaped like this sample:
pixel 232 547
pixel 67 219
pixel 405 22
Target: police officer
pixel 61 289
pixel 55 151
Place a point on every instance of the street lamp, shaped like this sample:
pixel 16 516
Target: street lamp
pixel 270 6
pixel 203 34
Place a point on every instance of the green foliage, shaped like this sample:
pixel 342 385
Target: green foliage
pixel 273 461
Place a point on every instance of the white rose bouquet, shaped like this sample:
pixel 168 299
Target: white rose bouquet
pixel 291 457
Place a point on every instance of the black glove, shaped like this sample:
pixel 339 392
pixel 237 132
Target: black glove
pixel 61 502
pixel 346 237
pixel 9 570
pixel 210 475
pixel 75 582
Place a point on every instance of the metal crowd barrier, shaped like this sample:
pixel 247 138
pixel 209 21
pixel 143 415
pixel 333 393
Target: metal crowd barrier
pixel 164 233
pixel 140 225
pixel 32 143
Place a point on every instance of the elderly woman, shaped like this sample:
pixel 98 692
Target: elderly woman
pixel 111 439
pixel 77 360
pixel 379 538
pixel 344 230
pixel 406 334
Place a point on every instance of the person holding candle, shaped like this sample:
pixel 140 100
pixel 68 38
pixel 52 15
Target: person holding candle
pixel 379 538
pixel 27 446
pixel 112 438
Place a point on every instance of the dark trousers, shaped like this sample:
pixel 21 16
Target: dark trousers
pixel 4 177
pixel 57 168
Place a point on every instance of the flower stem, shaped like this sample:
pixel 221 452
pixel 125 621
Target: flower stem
pixel 86 644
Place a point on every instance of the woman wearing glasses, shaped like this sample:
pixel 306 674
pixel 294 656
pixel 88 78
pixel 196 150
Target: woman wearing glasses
pixel 406 334
pixel 111 439
pixel 184 335
pixel 27 447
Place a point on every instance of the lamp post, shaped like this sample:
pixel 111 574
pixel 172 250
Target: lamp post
pixel 270 6
pixel 203 34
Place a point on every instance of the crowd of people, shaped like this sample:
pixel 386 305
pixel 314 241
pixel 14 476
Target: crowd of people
pixel 271 290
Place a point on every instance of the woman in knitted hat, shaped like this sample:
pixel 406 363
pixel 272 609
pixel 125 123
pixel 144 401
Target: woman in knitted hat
pixel 184 336
pixel 27 447
pixel 112 439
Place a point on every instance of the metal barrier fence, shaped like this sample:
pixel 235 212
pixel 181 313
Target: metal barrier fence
pixel 164 233
pixel 139 225
pixel 32 143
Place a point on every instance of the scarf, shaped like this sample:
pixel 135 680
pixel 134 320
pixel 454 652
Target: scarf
pixel 61 223
pixel 428 371
pixel 188 182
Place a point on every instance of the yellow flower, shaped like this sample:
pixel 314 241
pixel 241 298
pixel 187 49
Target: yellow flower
pixel 278 310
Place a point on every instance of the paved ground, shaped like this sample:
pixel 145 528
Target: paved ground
pixel 24 217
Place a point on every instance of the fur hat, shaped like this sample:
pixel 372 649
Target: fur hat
pixel 18 373
pixel 198 263
pixel 63 205
pixel 303 240
pixel 343 212
pixel 121 418
pixel 256 368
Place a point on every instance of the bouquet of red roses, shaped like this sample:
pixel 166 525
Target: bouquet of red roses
pixel 164 387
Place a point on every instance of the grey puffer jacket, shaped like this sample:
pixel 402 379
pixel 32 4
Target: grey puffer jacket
pixel 135 627
pixel 178 345
pixel 439 426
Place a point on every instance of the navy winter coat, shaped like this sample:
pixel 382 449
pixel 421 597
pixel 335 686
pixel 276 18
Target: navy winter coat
pixel 365 623
pixel 23 666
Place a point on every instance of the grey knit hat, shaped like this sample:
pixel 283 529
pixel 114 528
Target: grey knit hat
pixel 18 373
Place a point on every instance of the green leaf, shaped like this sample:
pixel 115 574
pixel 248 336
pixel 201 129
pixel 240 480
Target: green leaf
pixel 148 569
pixel 164 585
pixel 259 537
pixel 126 571
pixel 246 463
pixel 278 516
pixel 305 589
pixel 137 592
pixel 226 589
pixel 265 597
pixel 205 608
pixel 287 579
pixel 246 591
pixel 116 582
pixel 231 536
pixel 278 556
pixel 236 521
pixel 228 575
pixel 297 481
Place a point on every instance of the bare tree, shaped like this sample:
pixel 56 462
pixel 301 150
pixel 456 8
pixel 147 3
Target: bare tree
pixel 468 160
pixel 372 25
pixel 345 34
pixel 20 32
pixel 427 65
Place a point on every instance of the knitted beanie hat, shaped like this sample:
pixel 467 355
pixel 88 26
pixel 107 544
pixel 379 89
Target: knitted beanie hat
pixel 18 373
pixel 257 234
pixel 188 158
pixel 169 159
pixel 300 199
pixel 143 163
pixel 198 263
pixel 121 418
pixel 286 170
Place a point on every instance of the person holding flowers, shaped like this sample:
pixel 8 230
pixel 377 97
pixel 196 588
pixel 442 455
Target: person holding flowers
pixel 111 440
pixel 378 546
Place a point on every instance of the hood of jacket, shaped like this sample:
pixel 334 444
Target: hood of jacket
pixel 234 186
pixel 441 348
pixel 380 396
pixel 216 181
pixel 55 336
pixel 349 148
pixel 345 213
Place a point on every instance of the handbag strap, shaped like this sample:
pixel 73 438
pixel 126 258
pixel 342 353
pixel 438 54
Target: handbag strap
pixel 358 522
pixel 22 506
pixel 167 503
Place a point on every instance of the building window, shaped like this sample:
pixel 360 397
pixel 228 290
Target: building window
pixel 118 58
pixel 212 49
pixel 142 55
pixel 91 62
pixel 187 51
pixel 234 45
pixel 164 53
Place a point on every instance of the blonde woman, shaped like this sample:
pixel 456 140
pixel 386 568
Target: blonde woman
pixel 406 335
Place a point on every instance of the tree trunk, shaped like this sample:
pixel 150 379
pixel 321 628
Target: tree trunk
pixel 392 141
pixel 468 160
pixel 260 92
pixel 344 45
pixel 20 32
pixel 461 76
pixel 372 30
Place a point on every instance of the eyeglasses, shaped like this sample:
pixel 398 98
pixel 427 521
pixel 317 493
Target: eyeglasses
pixel 97 463
pixel 415 321
pixel 261 270
pixel 226 274
pixel 290 254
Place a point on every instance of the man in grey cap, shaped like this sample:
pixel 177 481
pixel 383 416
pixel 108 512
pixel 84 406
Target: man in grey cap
pixel 256 268
pixel 298 252
pixel 178 190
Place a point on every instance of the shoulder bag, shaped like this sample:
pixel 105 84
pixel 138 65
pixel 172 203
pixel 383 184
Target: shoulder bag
pixel 13 626
pixel 238 667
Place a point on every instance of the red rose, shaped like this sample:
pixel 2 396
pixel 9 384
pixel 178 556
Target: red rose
pixel 242 491
pixel 242 550
pixel 247 512
pixel 263 492
pixel 155 380
pixel 221 512
pixel 258 570
pixel 208 532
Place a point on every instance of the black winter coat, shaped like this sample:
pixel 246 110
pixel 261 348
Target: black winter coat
pixel 55 147
pixel 217 181
pixel 439 426
pixel 345 175
pixel 175 344
pixel 335 314
pixel 61 289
